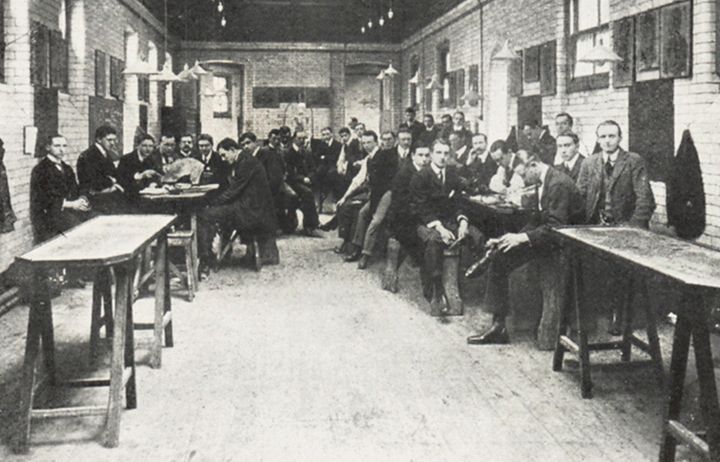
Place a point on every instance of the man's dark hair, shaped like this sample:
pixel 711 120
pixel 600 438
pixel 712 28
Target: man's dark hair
pixel 612 123
pixel 49 139
pixel 229 143
pixel 285 131
pixel 499 145
pixel 404 130
pixel 410 110
pixel 439 141
pixel 430 116
pixel 104 130
pixel 146 137
pixel 531 123
pixel 344 131
pixel 246 136
pixel 185 135
pixel 481 134
pixel 206 137
pixel 168 135
pixel 569 117
pixel 370 133
pixel 575 139
pixel 388 132
pixel 274 132
pixel 328 129
pixel 446 117
pixel 461 113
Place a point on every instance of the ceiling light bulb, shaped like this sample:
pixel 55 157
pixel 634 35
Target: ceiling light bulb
pixel 381 21
pixel 362 29
pixel 220 7
pixel 223 21
pixel 390 13
pixel 370 24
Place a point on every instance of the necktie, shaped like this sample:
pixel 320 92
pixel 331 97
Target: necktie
pixel 441 177
pixel 609 168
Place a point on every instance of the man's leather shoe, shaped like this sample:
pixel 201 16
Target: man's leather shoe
pixel 363 262
pixel 495 335
pixel 355 256
pixel 310 232
pixel 330 225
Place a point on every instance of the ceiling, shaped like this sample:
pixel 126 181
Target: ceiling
pixel 297 20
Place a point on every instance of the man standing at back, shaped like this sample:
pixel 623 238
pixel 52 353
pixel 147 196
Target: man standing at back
pixel 415 127
pixel 570 159
pixel 97 175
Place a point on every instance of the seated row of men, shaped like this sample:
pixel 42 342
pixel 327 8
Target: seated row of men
pixel 417 198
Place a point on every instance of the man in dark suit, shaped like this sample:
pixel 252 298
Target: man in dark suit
pixel 55 201
pixel 347 164
pixel 430 132
pixel 415 128
pixel 401 222
pixel 405 146
pixel 458 127
pixel 167 151
pixel 187 146
pixel 571 159
pixel 446 126
pixel 326 152
pixel 136 170
pixel 245 205
pixel 216 170
pixel 560 203
pixel 298 178
pixel 478 167
pixel 434 202
pixel 615 183
pixel 380 168
pixel 97 175
pixel 272 162
pixel 504 178
pixel 540 141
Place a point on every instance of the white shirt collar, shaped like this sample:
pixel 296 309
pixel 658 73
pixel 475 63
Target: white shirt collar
pixel 436 169
pixel 403 151
pixel 257 149
pixel 570 165
pixel 483 156
pixel 372 154
pixel 541 186
pixel 613 157
pixel 101 149
pixel 54 160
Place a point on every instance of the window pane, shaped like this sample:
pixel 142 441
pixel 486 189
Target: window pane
pixel 584 44
pixel 603 38
pixel 604 11
pixel 587 14
pixel 222 95
pixel 446 89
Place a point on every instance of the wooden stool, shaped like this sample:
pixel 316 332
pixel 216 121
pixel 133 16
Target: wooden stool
pixel 552 271
pixel 395 257
pixel 582 347
pixel 253 248
pixel 101 311
pixel 184 239
pixel 451 273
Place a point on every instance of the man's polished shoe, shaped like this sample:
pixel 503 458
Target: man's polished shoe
pixel 330 225
pixel 363 262
pixel 355 256
pixel 496 335
pixel 311 232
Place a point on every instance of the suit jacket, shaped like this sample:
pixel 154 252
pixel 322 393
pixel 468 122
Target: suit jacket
pixel 94 170
pixel 271 161
pixel 400 214
pixel 465 136
pixel 432 200
pixel 248 192
pixel 561 204
pixel 354 152
pixel 545 147
pixel 328 154
pixel 381 170
pixel 416 128
pixel 427 137
pixel 575 172
pixel 297 165
pixel 477 175
pixel 129 165
pixel 49 187
pixel 629 188
pixel 216 169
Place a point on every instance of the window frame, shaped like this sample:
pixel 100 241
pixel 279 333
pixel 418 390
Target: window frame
pixel 2 41
pixel 413 87
pixel 228 94
pixel 596 80
pixel 443 72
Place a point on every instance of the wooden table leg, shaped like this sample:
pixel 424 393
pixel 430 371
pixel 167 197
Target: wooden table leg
pixel 653 339
pixel 32 350
pixel 678 367
pixel 584 351
pixel 564 318
pixel 628 312
pixel 163 308
pixel 167 299
pixel 194 248
pixel 706 379
pixel 123 275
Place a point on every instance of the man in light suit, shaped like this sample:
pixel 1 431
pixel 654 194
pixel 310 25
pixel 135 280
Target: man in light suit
pixel 615 183
pixel 560 204
pixel 570 159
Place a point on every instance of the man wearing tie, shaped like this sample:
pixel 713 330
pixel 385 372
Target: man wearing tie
pixel 414 127
pixel 434 202
pixel 405 145
pixel 215 170
pixel 571 159
pixel 167 152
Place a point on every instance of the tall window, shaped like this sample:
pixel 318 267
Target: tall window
pixel 589 27
pixel 443 66
pixel 223 96
pixel 413 88
pixel 2 41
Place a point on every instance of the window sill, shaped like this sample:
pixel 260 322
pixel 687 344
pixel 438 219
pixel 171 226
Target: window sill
pixel 589 83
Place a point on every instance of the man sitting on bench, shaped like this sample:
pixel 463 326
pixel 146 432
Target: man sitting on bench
pixel 434 202
pixel 245 205
pixel 560 203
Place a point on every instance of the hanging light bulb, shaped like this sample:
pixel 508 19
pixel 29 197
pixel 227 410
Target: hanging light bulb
pixel 381 21
pixel 220 7
pixel 390 13
pixel 362 29
pixel 223 21
pixel 370 24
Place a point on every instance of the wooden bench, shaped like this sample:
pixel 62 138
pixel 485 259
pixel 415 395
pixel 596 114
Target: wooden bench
pixel 263 250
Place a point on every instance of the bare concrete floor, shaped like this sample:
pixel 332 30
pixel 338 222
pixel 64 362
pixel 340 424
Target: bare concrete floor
pixel 311 361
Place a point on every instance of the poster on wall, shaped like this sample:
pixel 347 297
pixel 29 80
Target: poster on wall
pixel 646 45
pixel 623 39
pixel 675 26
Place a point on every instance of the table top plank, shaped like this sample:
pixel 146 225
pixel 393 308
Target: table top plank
pixel 194 192
pixel 103 240
pixel 683 261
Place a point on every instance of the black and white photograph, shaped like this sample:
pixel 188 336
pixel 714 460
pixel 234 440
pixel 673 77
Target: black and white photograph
pixel 359 230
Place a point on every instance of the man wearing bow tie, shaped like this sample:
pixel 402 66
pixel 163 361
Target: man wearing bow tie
pixel 570 159
pixel 434 203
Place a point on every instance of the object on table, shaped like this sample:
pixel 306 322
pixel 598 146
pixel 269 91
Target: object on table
pixel 183 168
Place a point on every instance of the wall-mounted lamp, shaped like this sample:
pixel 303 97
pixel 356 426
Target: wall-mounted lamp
pixel 505 53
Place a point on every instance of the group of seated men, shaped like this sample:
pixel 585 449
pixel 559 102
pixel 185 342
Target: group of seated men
pixel 411 187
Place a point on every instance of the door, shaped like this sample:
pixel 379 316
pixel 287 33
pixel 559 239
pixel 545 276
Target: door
pixel 652 124
pixel 362 99
pixel 221 102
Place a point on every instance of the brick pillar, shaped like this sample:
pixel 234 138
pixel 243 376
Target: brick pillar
pixel 498 108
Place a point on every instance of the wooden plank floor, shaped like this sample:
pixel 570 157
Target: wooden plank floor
pixel 311 361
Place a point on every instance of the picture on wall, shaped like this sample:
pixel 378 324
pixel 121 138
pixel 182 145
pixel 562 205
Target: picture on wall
pixel 676 40
pixel 647 45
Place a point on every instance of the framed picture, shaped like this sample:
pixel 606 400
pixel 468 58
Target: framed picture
pixel 647 50
pixel 623 39
pixel 531 69
pixel 675 54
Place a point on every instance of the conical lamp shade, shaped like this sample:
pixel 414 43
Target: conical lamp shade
pixel 472 97
pixel 197 69
pixel 415 79
pixel 433 84
pixel 599 55
pixel 505 53
pixel 166 75
pixel 381 75
pixel 187 74
pixel 391 70
pixel 139 68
